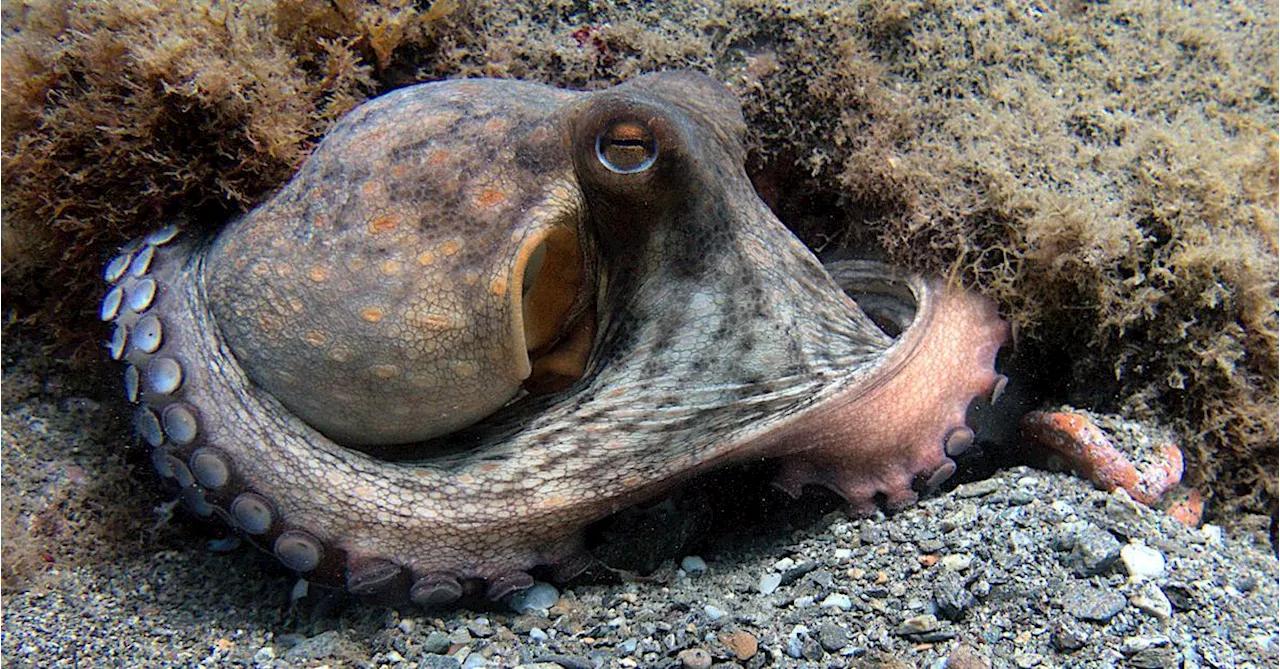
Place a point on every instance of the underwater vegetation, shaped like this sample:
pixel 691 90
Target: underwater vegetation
pixel 1108 173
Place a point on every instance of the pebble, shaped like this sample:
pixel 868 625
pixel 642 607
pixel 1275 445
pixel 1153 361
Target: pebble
pixel 694 658
pixel 741 643
pixel 436 643
pixel 1068 635
pixel 956 561
pixel 693 565
pixel 769 583
pixel 713 612
pixel 1022 497
pixel 822 578
pixel 794 573
pixel 539 598
pixel 407 625
pixel 965 656
pixel 1142 562
pixel 918 625
pixel 837 600
pixel 325 644
pixel 978 488
pixel 1150 652
pixel 1151 599
pixel 951 597
pixel 795 641
pixel 1086 602
pixel 1216 653
pixel 1093 551
pixel 480 627
pixel 538 634
pixel 832 637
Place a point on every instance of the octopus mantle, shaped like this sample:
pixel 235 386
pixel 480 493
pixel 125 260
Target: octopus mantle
pixel 485 314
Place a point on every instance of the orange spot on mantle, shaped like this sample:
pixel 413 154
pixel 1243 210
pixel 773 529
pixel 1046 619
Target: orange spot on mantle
pixel 384 223
pixel 490 197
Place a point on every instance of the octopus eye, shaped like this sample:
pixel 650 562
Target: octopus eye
pixel 627 147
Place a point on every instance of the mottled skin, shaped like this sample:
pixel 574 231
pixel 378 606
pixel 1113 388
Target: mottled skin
pixel 377 299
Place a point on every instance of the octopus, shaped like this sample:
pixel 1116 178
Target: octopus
pixel 485 314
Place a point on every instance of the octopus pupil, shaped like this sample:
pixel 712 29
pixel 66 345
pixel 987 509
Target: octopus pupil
pixel 627 147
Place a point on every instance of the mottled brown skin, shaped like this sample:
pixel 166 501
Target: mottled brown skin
pixel 376 299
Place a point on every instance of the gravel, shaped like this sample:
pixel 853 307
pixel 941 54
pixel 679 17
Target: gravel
pixel 1026 568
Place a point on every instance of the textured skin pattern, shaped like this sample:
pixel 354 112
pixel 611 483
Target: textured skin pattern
pixel 342 373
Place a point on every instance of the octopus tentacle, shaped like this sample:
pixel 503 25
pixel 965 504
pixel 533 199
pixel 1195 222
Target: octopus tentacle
pixel 909 421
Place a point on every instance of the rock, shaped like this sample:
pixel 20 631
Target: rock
pixel 873 534
pixel 437 643
pixel 713 612
pixel 1181 596
pixel 796 641
pixel 1150 652
pixel 1068 636
pixel 480 627
pixel 1021 497
pixel 540 597
pixel 950 595
pixel 694 658
pixel 1085 602
pixel 460 636
pixel 1093 552
pixel 977 488
pixel 1216 653
pixel 538 634
pixel 821 578
pixel 693 565
pixel 837 600
pixel 323 645
pixel 918 625
pixel 1142 562
pixel 769 583
pixel 956 561
pixel 1151 599
pixel 793 574
pixel 741 643
pixel 965 656
pixel 832 637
